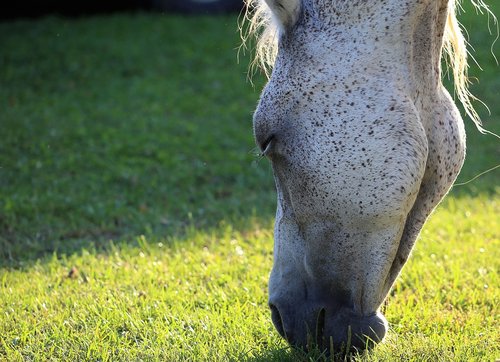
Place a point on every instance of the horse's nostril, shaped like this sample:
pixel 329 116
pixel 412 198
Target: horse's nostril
pixel 320 326
pixel 277 321
pixel 265 147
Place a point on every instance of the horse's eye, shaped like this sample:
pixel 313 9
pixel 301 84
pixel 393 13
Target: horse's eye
pixel 267 145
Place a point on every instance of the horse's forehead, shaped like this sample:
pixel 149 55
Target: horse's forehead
pixel 328 28
pixel 345 7
pixel 341 12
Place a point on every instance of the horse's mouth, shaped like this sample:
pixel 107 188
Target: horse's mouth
pixel 329 331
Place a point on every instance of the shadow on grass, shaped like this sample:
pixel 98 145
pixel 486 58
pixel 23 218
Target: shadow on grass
pixel 53 226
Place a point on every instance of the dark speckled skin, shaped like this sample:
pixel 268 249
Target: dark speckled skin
pixel 364 142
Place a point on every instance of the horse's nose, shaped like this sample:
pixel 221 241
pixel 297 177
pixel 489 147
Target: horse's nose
pixel 341 329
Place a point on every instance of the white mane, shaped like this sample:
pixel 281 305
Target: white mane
pixel 265 24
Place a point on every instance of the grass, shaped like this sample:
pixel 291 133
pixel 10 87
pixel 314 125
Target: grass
pixel 136 221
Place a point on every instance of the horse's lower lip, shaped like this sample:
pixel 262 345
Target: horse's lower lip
pixel 346 332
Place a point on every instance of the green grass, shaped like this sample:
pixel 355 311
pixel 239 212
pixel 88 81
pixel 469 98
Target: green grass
pixel 136 220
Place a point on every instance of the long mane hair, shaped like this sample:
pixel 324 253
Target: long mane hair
pixel 263 27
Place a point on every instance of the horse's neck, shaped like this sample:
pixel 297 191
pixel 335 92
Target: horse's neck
pixel 426 50
pixel 428 31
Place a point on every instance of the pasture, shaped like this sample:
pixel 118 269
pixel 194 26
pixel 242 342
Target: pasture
pixel 136 217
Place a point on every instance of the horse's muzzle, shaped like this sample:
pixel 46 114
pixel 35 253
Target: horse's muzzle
pixel 334 331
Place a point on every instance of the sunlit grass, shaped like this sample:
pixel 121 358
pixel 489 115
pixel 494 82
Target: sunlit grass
pixel 204 297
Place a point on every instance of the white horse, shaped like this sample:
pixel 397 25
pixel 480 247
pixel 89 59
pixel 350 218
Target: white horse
pixel 364 142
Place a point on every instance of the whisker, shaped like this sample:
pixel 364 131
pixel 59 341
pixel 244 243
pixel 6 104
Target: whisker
pixel 477 176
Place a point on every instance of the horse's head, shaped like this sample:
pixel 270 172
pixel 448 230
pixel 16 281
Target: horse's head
pixel 364 142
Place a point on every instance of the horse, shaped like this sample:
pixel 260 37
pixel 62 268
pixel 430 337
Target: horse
pixel 364 142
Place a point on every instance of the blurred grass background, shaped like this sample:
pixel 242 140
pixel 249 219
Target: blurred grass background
pixel 124 125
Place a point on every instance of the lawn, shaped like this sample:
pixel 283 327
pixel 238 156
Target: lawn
pixel 136 218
